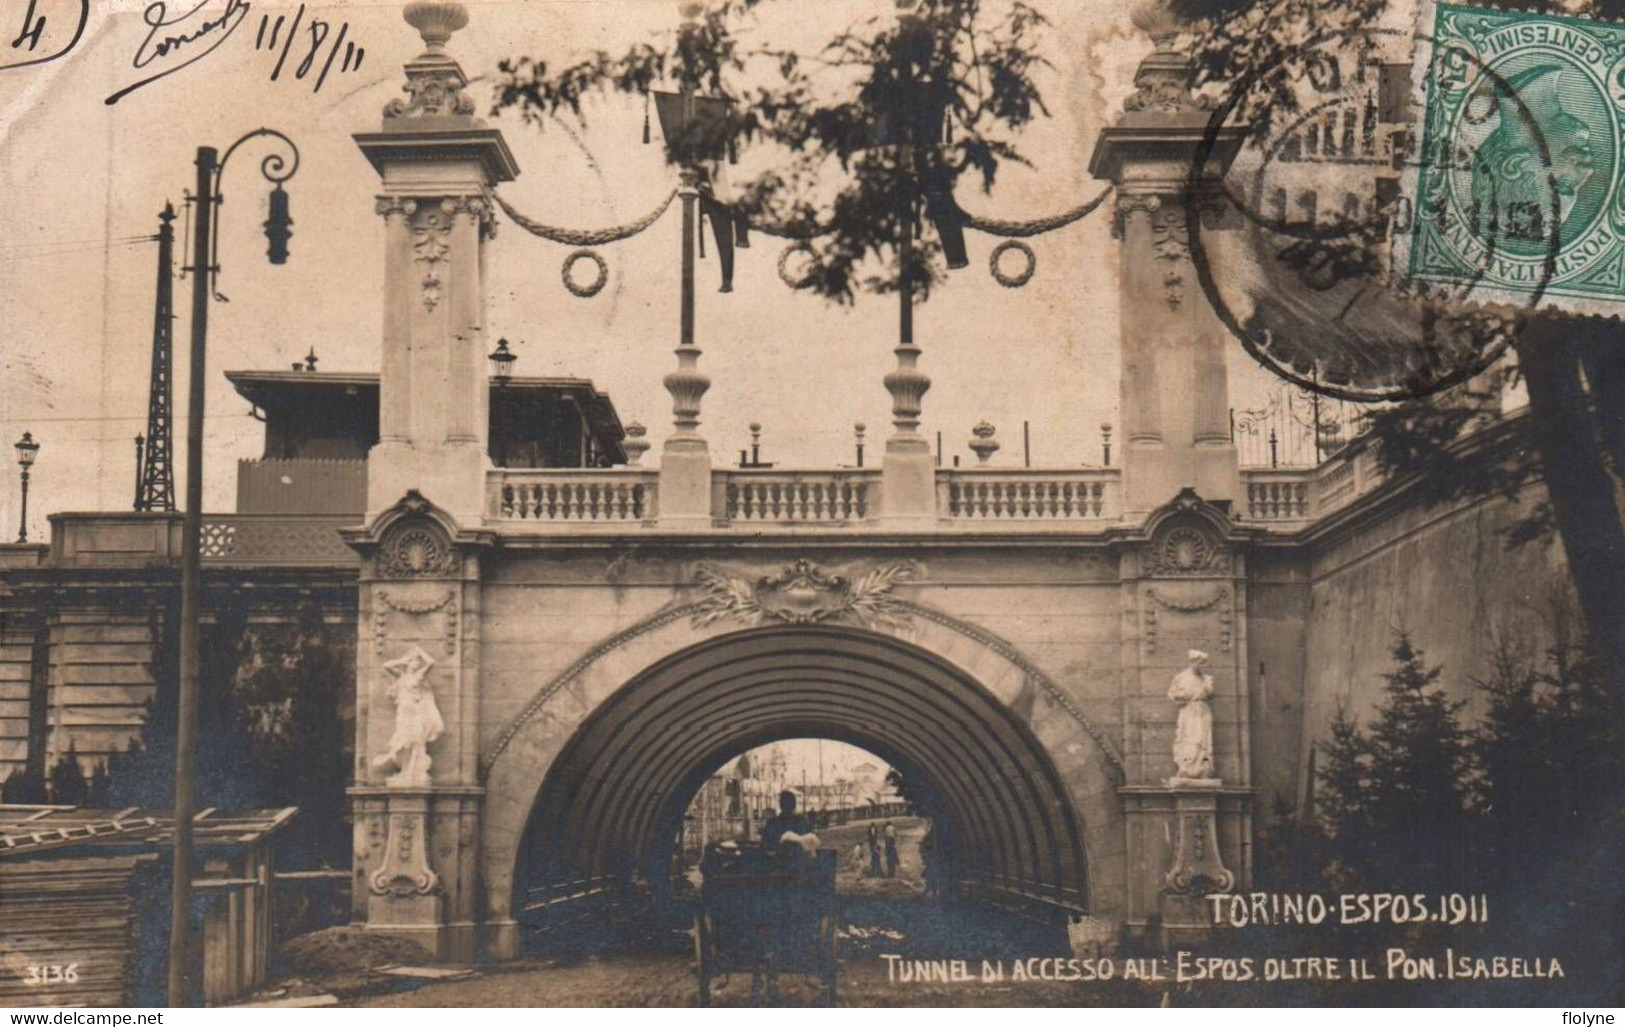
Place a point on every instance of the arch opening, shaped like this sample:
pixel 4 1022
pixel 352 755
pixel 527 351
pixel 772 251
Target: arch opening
pixel 610 809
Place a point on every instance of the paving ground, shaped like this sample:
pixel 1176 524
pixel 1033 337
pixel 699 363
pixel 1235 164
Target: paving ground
pixel 640 964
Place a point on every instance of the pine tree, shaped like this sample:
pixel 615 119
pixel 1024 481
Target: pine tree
pixel 1548 759
pixel 1342 801
pixel 26 787
pixel 1420 763
pixel 68 784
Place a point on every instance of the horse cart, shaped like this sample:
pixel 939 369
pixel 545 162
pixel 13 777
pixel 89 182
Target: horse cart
pixel 769 915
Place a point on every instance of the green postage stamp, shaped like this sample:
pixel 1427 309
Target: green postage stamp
pixel 1516 178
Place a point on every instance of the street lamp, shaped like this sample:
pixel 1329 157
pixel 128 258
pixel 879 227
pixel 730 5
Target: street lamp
pixel 27 449
pixel 276 169
pixel 502 361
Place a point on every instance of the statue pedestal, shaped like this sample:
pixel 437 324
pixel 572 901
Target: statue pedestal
pixel 1196 868
pixel 404 898
pixel 1184 838
pixel 415 859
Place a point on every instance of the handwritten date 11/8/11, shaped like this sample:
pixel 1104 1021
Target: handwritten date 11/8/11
pixel 174 42
pixel 317 31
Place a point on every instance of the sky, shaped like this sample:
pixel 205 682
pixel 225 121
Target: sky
pixel 85 181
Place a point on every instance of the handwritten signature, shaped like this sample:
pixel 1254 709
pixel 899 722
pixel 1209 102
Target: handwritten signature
pixel 180 41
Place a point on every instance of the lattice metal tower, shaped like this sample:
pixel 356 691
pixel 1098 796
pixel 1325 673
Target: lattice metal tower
pixel 156 490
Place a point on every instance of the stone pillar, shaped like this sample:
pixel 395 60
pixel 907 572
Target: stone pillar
pixel 1187 797
pixel 438 163
pixel 417 796
pixel 1173 391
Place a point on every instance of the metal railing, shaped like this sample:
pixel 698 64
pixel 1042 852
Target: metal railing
pixel 610 495
pixel 287 539
pixel 1028 495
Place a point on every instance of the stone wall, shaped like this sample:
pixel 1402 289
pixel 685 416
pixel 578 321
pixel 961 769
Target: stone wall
pixel 1444 574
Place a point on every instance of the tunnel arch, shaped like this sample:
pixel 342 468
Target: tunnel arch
pixel 607 801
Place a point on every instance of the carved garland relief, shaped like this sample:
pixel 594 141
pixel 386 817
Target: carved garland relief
pixel 1186 550
pixel 803 594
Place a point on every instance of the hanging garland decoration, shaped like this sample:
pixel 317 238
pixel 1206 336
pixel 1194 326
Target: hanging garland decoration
pixel 594 287
pixel 784 264
pixel 1037 226
pixel 1021 277
pixel 586 237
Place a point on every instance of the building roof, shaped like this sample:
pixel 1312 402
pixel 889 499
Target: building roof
pixel 286 391
pixel 26 830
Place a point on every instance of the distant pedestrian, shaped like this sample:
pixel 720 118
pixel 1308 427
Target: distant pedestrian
pixel 874 851
pixel 930 865
pixel 890 833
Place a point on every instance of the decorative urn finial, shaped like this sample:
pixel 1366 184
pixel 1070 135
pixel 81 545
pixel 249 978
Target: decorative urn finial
pixel 635 445
pixel 692 12
pixel 1156 19
pixel 983 444
pixel 435 21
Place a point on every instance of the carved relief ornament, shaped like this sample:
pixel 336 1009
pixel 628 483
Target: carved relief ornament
pixel 431 92
pixel 803 594
pixel 416 548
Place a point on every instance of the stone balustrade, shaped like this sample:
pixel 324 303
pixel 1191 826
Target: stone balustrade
pixel 1279 494
pixel 612 495
pixel 1292 497
pixel 978 494
pixel 796 497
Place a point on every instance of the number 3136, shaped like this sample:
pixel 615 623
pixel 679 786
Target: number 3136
pixel 54 973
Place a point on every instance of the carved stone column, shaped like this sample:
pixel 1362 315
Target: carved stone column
pixel 1173 392
pixel 438 163
pixel 417 795
pixel 395 402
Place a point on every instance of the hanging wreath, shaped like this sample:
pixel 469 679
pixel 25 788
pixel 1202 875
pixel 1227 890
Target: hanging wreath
pixel 784 265
pixel 594 287
pixel 1023 276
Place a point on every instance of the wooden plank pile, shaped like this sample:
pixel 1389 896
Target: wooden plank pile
pixel 72 930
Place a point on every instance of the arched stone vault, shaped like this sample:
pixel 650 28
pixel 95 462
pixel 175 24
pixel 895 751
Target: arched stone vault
pixel 587 780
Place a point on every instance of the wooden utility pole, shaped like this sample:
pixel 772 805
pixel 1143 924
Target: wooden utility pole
pixel 180 898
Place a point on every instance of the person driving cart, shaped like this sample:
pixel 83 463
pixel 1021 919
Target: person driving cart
pixel 788 825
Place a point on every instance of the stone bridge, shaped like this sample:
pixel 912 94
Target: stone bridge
pixel 576 651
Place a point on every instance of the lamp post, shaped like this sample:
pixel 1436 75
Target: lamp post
pixel 205 271
pixel 502 361
pixel 27 449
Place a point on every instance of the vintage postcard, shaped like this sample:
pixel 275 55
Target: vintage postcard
pixel 864 503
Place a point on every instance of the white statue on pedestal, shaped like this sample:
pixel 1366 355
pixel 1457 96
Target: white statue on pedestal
pixel 417 721
pixel 1193 733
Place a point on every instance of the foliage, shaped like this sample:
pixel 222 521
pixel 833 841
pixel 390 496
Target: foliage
pixel 895 110
pixel 68 784
pixel 24 787
pixel 1393 800
pixel 1549 762
pixel 1419 801
pixel 270 730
